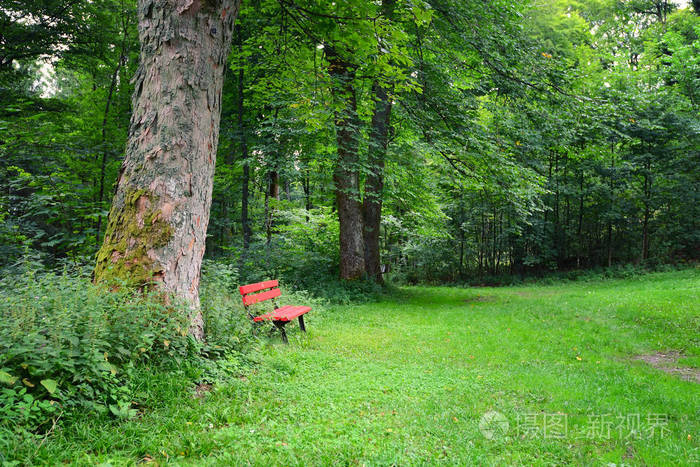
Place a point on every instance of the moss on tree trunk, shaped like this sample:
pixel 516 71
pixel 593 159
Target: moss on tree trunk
pixel 135 230
pixel 157 226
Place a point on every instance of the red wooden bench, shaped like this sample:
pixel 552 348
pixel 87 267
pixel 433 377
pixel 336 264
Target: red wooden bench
pixel 280 316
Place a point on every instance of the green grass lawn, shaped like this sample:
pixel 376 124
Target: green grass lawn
pixel 407 380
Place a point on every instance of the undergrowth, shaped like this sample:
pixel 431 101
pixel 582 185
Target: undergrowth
pixel 69 348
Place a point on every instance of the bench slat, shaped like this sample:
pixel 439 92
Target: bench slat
pixel 251 288
pixel 286 313
pixel 250 299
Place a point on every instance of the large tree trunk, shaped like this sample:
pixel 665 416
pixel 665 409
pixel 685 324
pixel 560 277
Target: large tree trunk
pixel 374 185
pixel 158 222
pixel 346 176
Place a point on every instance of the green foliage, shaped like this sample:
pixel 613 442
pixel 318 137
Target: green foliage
pixel 524 138
pixel 521 146
pixel 302 254
pixel 67 347
pixel 63 121
pixel 528 141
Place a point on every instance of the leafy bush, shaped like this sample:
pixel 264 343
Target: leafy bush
pixel 301 252
pixel 336 291
pixel 68 346
pixel 230 344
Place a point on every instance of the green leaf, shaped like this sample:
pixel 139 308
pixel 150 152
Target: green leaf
pixel 50 385
pixel 7 378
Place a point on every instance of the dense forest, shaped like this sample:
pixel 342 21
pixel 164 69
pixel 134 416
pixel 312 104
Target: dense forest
pixel 429 140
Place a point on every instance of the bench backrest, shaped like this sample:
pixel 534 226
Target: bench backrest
pixel 250 296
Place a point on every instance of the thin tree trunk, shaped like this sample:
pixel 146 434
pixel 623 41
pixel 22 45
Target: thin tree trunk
pixel 612 202
pixel 374 185
pixel 158 222
pixel 346 175
pixel 103 162
pixel 493 239
pixel 557 213
pixel 274 184
pixel 273 193
pixel 567 215
pixel 306 183
pixel 266 220
pixel 579 230
pixel 245 224
pixel 273 187
pixel 482 242
pixel 112 86
pixel 500 236
pixel 647 211
pixel 461 238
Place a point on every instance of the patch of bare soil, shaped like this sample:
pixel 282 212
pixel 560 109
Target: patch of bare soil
pixel 668 363
pixel 201 389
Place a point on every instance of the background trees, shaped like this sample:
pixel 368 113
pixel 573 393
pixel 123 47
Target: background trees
pixel 436 140
pixel 65 111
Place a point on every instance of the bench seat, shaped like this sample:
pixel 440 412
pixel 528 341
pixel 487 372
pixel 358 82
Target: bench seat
pixel 285 313
pixel 279 317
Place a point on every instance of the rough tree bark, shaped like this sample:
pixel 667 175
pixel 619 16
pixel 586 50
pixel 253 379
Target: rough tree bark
pixel 374 185
pixel 346 175
pixel 157 226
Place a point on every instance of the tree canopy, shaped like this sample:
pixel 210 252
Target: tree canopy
pixel 430 140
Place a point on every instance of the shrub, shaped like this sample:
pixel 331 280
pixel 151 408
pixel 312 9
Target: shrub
pixel 75 345
pixel 230 344
pixel 67 346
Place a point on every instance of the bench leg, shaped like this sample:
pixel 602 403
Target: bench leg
pixel 280 326
pixel 301 323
